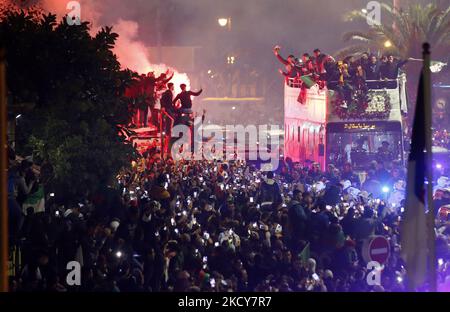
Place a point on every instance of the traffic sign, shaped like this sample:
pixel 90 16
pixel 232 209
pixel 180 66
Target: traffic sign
pixel 376 248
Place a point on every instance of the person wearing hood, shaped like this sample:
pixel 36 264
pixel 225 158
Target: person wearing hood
pixel 269 192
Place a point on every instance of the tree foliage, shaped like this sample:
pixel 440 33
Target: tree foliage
pixel 76 84
pixel 406 28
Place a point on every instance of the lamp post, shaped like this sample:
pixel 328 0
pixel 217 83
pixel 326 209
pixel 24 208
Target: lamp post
pixel 225 22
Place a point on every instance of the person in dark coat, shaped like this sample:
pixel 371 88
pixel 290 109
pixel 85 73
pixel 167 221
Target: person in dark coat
pixel 373 72
pixel 390 71
pixel 290 59
pixel 297 215
pixel 185 97
pixel 168 106
pixel 167 100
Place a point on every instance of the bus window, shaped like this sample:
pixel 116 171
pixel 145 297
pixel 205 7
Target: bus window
pixel 363 147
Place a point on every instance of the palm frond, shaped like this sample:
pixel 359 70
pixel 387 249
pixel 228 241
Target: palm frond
pixel 353 50
pixel 442 28
pixel 357 35
pixel 353 15
pixel 404 28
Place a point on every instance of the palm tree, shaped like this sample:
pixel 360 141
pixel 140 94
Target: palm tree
pixel 401 33
pixel 404 28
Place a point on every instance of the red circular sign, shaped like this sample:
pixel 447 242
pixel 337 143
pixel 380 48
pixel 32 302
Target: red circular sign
pixel 443 212
pixel 379 249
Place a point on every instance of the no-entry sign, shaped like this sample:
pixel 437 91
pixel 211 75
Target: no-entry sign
pixel 376 248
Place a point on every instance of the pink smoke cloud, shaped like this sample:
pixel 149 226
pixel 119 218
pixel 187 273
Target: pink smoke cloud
pixel 130 51
pixel 133 54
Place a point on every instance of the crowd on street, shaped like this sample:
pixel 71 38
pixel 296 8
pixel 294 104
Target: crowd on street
pixel 217 226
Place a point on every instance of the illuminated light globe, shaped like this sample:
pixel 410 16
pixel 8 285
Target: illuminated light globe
pixel 222 21
pixel 437 66
pixel 385 189
pixel 440 103
pixel 387 44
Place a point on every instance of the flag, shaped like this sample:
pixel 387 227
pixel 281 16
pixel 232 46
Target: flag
pixel 35 200
pixel 414 228
pixel 305 254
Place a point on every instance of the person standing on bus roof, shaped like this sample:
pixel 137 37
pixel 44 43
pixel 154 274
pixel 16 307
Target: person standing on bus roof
pixel 290 59
pixel 373 72
pixel 292 70
pixel 185 97
pixel 167 99
pixel 390 71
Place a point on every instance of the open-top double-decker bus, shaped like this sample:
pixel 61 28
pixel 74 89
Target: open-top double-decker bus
pixel 327 130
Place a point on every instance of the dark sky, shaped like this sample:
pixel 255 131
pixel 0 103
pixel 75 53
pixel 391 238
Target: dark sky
pixel 294 24
pixel 257 25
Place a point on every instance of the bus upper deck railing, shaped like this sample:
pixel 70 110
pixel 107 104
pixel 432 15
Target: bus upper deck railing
pixel 371 84
pixel 389 85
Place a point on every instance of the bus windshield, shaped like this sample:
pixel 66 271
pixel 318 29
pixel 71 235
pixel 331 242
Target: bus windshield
pixel 361 148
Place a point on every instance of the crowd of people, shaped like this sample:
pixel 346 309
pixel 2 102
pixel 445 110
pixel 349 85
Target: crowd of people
pixel 441 138
pixel 143 94
pixel 146 90
pixel 223 225
pixel 217 226
pixel 344 77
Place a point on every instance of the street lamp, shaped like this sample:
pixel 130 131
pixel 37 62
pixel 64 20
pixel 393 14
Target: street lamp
pixel 231 59
pixel 437 66
pixel 222 21
pixel 225 22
